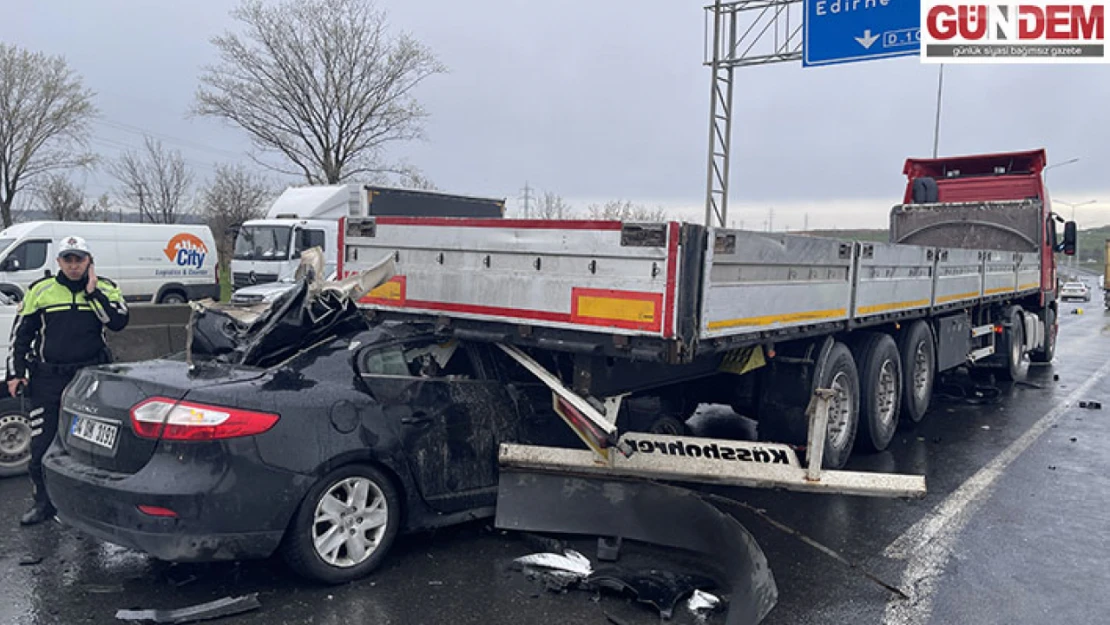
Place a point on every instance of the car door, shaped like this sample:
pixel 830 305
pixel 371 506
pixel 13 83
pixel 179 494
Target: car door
pixel 450 415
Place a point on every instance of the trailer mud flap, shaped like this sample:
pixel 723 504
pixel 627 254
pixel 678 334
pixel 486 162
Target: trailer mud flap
pixel 649 512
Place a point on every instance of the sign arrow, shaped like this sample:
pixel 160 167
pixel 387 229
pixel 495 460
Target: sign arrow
pixel 867 39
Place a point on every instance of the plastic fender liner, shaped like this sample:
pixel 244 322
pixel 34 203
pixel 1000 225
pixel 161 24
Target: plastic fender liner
pixel 649 512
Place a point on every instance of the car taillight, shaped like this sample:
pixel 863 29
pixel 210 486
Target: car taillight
pixel 167 419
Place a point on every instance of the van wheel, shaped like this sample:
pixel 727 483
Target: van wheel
pixel 915 346
pixel 173 297
pixel 345 525
pixel 880 381
pixel 1013 348
pixel 15 438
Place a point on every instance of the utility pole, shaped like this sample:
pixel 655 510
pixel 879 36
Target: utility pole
pixel 527 200
pixel 936 127
pixel 805 223
pixel 771 219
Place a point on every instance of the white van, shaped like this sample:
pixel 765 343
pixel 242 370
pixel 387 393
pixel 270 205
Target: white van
pixel 156 263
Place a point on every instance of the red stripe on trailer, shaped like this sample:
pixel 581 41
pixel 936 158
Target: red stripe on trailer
pixel 524 224
pixel 512 313
pixel 672 266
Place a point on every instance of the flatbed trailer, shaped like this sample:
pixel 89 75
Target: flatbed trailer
pixel 762 321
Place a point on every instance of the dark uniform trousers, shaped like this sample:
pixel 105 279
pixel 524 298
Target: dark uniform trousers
pixel 45 393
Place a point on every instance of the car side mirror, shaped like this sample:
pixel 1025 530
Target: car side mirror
pixel 10 264
pixel 1071 237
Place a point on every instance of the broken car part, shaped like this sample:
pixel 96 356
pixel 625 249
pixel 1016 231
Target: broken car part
pixel 204 611
pixel 650 512
pixel 662 589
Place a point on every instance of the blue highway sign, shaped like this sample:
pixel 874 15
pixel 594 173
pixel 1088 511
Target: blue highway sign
pixel 845 31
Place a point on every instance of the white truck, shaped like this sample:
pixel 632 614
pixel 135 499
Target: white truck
pixel 269 249
pixel 684 314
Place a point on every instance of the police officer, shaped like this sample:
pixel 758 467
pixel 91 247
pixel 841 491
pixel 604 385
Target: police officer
pixel 60 329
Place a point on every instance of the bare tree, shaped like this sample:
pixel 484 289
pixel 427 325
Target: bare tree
pixel 552 206
pixel 154 181
pixel 60 198
pixel 320 83
pixel 97 210
pixel 234 195
pixel 44 120
pixel 624 210
pixel 413 178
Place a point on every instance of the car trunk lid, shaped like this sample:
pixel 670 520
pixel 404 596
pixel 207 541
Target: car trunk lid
pixel 95 419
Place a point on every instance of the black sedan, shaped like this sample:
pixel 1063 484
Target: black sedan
pixel 324 457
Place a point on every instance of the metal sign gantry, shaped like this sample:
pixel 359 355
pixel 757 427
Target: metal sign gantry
pixel 744 32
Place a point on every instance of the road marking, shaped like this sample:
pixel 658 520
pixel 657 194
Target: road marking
pixel 930 541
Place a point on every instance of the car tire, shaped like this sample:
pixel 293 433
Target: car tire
pixel 15 438
pixel 343 499
pixel 880 382
pixel 915 346
pixel 173 297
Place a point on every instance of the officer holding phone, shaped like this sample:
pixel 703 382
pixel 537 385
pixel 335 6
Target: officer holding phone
pixel 59 330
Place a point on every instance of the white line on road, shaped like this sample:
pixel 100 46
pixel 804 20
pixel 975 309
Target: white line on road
pixel 929 542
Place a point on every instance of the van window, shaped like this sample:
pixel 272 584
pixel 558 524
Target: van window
pixel 308 239
pixel 30 254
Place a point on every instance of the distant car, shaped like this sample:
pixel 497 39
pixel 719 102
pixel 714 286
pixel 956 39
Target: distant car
pixel 324 457
pixel 267 292
pixel 1075 291
pixel 15 428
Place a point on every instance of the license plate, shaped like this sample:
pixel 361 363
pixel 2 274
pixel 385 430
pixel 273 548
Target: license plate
pixel 97 432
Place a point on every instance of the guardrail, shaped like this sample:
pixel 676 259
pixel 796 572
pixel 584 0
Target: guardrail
pixel 154 330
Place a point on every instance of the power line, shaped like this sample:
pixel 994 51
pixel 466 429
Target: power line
pixel 166 137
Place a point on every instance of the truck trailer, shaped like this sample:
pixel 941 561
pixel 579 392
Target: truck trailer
pixel 683 314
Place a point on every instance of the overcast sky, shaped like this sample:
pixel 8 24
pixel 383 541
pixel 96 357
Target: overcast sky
pixel 606 99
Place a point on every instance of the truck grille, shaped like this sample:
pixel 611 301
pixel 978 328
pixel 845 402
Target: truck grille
pixel 241 279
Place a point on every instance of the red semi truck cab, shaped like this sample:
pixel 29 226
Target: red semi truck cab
pixel 988 178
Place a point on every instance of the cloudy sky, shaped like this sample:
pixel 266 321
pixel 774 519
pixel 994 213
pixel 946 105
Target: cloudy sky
pixel 606 99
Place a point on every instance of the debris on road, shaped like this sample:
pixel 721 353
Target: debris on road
pixel 204 611
pixel 1091 405
pixel 661 589
pixel 649 512
pixel 558 571
pixel 702 603
pixel 30 560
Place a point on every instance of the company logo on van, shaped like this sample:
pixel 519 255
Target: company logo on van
pixel 186 250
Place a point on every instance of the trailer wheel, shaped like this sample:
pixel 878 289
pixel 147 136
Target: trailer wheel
pixel 670 426
pixel 880 381
pixel 1048 352
pixel 915 346
pixel 839 374
pixel 1013 347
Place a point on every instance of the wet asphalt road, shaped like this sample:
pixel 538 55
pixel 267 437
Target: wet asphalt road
pixel 1013 531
